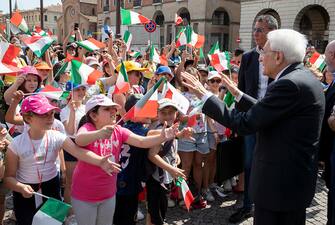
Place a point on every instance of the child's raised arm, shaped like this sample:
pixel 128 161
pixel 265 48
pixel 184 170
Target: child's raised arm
pixel 90 157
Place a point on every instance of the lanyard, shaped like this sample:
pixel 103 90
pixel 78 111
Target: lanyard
pixel 40 176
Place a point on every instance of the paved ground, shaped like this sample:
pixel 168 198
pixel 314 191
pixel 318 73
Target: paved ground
pixel 218 212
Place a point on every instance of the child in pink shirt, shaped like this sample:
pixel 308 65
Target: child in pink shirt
pixel 93 192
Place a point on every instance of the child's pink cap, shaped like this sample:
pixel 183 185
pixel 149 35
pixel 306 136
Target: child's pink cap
pixel 38 104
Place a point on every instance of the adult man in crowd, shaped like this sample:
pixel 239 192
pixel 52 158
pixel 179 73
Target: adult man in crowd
pixel 288 123
pixel 327 135
pixel 252 81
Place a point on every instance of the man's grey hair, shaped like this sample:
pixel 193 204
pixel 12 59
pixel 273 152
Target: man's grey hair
pixel 271 22
pixel 290 42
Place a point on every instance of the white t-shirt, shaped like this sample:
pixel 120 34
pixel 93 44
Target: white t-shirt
pixel 30 163
pixel 65 114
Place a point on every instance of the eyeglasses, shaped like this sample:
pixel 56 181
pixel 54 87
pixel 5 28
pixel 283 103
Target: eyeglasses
pixel 258 30
pixel 215 80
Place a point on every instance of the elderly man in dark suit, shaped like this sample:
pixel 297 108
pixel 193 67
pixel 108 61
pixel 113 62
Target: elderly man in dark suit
pixel 327 152
pixel 287 122
pixel 253 82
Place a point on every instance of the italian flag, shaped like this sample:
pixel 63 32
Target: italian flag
pixel 318 61
pixel 177 19
pixel 38 44
pixel 215 49
pixel 154 56
pixel 220 61
pixel 147 106
pixel 201 54
pixel 187 194
pixel 172 93
pixel 192 115
pixel 91 44
pixel 127 37
pixel 8 69
pixel 50 91
pixel 8 52
pixel 122 84
pixel 129 17
pixel 38 30
pixel 19 22
pixel 134 54
pixel 53 212
pixel 84 74
pixel 229 99
pixel 188 37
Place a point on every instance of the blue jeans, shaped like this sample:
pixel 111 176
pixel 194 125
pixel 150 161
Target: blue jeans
pixel 249 147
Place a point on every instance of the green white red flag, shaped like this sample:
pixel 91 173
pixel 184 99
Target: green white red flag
pixel 220 61
pixel 215 49
pixel 147 106
pixel 122 84
pixel 52 212
pixel 318 61
pixel 129 17
pixel 154 56
pixel 172 93
pixel 19 22
pixel 38 44
pixel 188 37
pixel 127 37
pixel 38 31
pixel 84 74
pixel 8 52
pixel 134 54
pixel 91 44
pixel 185 190
pixel 50 91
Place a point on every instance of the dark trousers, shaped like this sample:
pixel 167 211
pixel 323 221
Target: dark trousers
pixel 267 217
pixel 157 201
pixel 331 192
pixel 249 146
pixel 25 208
pixel 126 209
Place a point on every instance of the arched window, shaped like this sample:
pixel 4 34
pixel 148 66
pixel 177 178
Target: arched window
pixel 220 17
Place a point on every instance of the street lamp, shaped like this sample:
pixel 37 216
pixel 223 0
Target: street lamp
pixel 118 19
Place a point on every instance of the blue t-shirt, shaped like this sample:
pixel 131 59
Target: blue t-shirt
pixel 132 161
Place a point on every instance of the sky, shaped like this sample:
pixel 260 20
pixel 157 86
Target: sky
pixel 25 4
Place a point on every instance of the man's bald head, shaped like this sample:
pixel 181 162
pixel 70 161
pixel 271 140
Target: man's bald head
pixel 330 56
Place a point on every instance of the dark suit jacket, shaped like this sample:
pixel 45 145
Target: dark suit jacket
pixel 288 124
pixel 327 135
pixel 248 75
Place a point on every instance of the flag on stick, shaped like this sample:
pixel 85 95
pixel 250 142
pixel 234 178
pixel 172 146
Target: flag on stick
pixel 127 37
pixel 91 44
pixel 147 106
pixel 38 44
pixel 84 74
pixel 187 194
pixel 53 212
pixel 129 17
pixel 318 61
pixel 19 22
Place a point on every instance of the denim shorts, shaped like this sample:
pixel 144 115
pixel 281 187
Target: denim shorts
pixel 211 141
pixel 200 144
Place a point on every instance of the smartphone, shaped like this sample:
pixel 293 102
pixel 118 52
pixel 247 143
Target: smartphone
pixel 76 26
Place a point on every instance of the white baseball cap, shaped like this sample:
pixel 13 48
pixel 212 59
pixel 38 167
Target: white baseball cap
pixel 164 102
pixel 213 74
pixel 100 100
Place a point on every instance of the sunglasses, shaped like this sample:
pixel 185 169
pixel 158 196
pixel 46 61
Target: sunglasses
pixel 215 80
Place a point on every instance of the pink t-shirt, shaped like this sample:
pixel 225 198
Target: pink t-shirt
pixel 90 183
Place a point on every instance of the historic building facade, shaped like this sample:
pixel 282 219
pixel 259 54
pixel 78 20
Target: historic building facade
pixel 217 20
pixel 83 12
pixel 314 18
